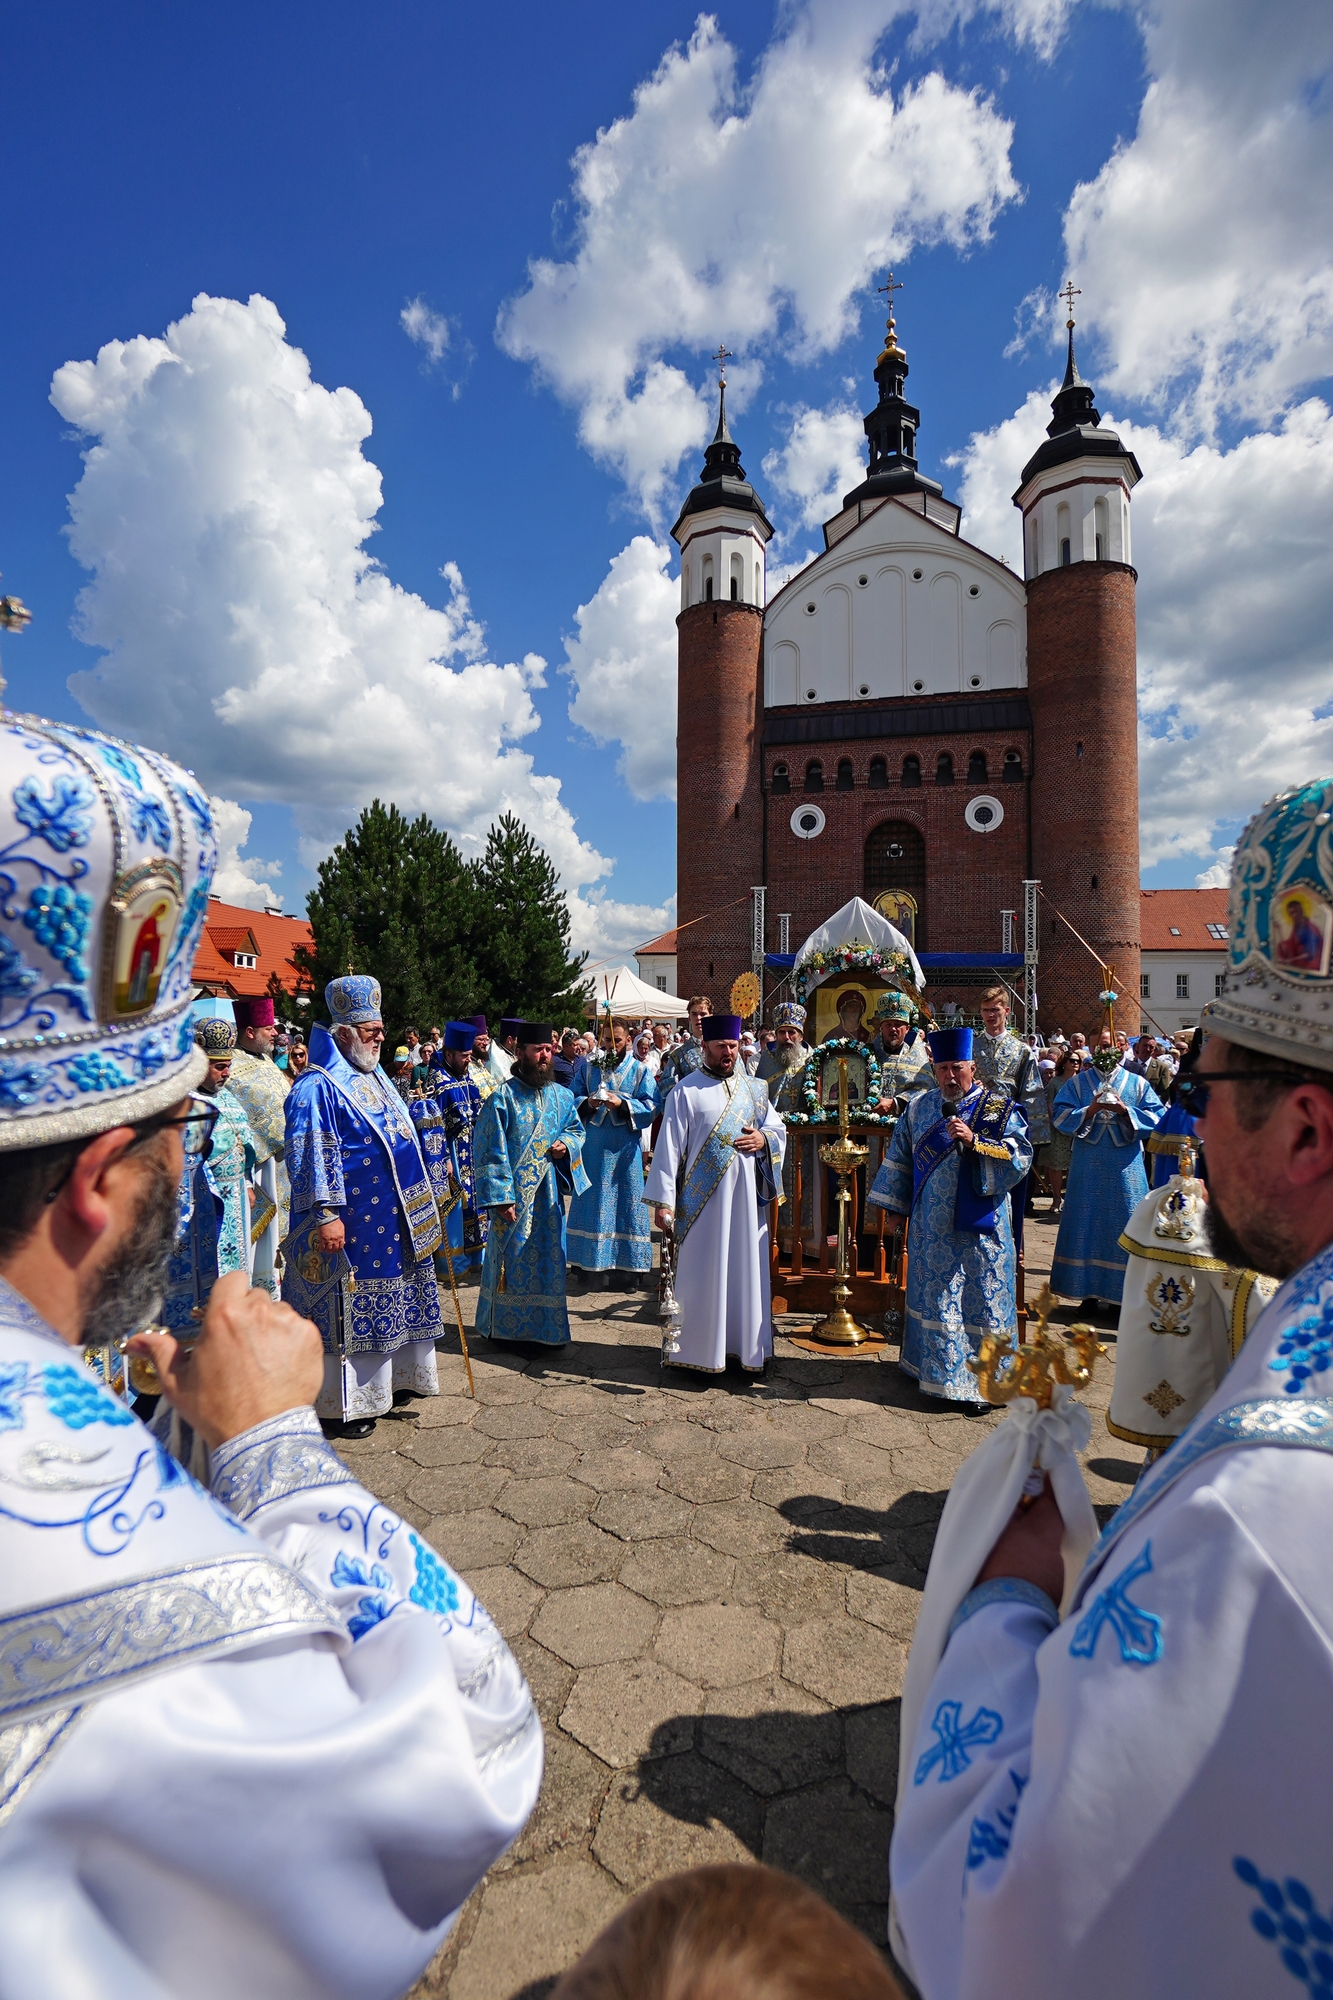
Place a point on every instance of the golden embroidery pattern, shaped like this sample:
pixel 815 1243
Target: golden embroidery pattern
pixel 1164 1399
pixel 1178 1215
pixel 1169 1299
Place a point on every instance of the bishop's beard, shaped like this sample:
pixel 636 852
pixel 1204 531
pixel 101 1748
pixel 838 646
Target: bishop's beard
pixel 361 1055
pixel 790 1055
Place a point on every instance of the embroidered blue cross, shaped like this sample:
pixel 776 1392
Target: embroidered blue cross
pixel 1139 1631
pixel 950 1753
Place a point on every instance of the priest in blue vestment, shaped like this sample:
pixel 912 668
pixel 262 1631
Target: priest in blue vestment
pixel 957 1150
pixel 365 1219
pixel 608 1227
pixel 1107 1111
pixel 459 1099
pixel 527 1154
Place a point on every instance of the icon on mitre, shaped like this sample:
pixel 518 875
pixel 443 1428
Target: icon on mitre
pixel 143 916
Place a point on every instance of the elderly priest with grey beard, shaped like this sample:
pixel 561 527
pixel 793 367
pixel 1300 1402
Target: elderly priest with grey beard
pixel 716 1167
pixel 260 1740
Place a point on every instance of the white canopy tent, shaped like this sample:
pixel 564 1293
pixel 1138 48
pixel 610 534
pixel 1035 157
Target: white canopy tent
pixel 856 923
pixel 618 991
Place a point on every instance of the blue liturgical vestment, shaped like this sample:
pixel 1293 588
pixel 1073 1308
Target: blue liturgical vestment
pixel 608 1228
pixel 352 1152
pixel 960 1241
pixel 1107 1181
pixel 516 1130
pixel 1163 1147
pixel 460 1103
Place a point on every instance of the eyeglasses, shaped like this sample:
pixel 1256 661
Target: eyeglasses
pixel 205 1113
pixel 1192 1091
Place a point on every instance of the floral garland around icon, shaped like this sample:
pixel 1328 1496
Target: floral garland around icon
pixel 862 960
pixel 816 1113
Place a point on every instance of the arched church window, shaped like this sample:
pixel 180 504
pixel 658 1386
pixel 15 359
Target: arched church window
pixel 846 782
pixel 1065 556
pixel 814 776
pixel 895 858
pixel 708 590
pixel 911 772
pixel 1013 768
pixel 781 778
pixel 1102 524
pixel 735 590
pixel 976 768
pixel 879 774
pixel 944 769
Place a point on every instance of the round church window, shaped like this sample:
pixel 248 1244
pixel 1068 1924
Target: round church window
pixel 984 815
pixel 807 822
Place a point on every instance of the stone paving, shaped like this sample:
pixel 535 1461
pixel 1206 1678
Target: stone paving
pixel 711 1584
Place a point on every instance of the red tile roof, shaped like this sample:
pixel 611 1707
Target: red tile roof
pixel 663 946
pixel 229 928
pixel 1189 912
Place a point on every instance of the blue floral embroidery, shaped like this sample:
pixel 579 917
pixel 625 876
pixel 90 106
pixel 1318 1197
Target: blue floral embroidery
pixel 149 819
pixel 95 1071
pixel 433 1587
pixel 59 918
pixel 16 975
pixel 13 1384
pixel 192 918
pixel 348 1572
pixel 1139 1631
pixel 78 1399
pixel 1306 1348
pixel 950 1753
pixel 62 819
pixel 199 811
pixel 989 1839
pixel 371 1611
pixel 20 1083
pixel 122 764
pixel 1287 1917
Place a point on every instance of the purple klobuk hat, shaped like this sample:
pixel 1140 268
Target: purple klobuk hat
pixel 721 1028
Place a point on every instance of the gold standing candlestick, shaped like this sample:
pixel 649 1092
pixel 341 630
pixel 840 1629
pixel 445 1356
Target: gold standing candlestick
pixel 838 1328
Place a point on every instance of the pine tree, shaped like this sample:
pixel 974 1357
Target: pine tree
pixel 521 943
pixel 396 899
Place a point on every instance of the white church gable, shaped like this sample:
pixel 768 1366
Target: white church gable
pixel 897 607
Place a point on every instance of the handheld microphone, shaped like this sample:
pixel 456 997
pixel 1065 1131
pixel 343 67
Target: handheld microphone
pixel 950 1109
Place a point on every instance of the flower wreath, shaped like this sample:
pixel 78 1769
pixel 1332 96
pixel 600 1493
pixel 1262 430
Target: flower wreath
pixel 867 960
pixel 816 1113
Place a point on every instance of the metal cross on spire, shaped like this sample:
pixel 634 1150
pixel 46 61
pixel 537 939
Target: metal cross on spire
pixel 890 286
pixel 1069 294
pixel 722 357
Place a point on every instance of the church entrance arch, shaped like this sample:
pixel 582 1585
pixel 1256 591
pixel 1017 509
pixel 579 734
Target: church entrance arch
pixel 896 859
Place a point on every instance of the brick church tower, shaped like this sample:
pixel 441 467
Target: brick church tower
pixel 1082 686
pixel 908 719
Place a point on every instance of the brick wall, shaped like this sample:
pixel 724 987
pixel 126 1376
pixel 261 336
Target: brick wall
pixel 719 816
pixel 1085 786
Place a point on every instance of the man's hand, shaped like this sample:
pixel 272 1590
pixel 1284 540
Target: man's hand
pixel 559 1151
pixel 612 1100
pixel 1029 1548
pixel 964 1134
pixel 751 1141
pixel 665 1218
pixel 254 1359
pixel 504 1211
pixel 331 1236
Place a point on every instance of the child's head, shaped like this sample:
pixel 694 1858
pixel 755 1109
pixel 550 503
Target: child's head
pixel 729 1933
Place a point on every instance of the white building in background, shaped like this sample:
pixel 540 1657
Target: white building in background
pixel 1183 956
pixel 655 962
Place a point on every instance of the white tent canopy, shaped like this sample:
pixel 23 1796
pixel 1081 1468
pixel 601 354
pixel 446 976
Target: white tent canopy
pixel 618 991
pixel 856 923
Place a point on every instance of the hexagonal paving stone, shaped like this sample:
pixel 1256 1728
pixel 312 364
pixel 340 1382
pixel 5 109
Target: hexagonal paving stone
pixel 881 1601
pixel 456 1489
pixel 772 1736
pixel 531 1458
pixel 926 1469
pixel 718 1645
pixel 607 1432
pixel 542 1503
pixel 678 1813
pixel 513 1420
pixel 572 1399
pixel 738 1528
pixel 676 1440
pixel 501 1379
pixel 762 1447
pixel 794 1482
pixel 594 1623
pixel 871 1736
pixel 530 1926
pixel 844 1662
pixel 851 1458
pixel 510 1597
pixel 476 1540
pixel 836 1841
pixel 457 1445
pixel 549 1679
pixel 621 1468
pixel 702 1479
pixel 884 1428
pixel 573 1787
pixel 677 1572
pixel 642 1517
pixel 439 1412
pixel 791 1588
pixel 630 1711
pixel 557 1558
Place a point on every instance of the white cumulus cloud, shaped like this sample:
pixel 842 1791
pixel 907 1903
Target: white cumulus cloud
pixel 823 458
pixel 428 329
pixel 623 663
pixel 237 879
pixel 223 512
pixel 751 210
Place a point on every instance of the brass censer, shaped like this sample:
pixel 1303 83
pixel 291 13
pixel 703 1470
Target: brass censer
pixel 844 1155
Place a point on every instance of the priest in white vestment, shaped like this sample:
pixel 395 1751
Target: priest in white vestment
pixel 258 1740
pixel 716 1166
pixel 1120 1784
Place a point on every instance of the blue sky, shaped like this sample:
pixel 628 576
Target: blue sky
pixel 342 162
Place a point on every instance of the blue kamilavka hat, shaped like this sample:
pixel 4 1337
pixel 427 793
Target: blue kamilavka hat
pixel 950 1045
pixel 459 1035
pixel 721 1028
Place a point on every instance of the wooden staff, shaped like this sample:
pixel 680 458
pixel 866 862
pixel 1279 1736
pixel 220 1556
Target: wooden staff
pixel 446 1210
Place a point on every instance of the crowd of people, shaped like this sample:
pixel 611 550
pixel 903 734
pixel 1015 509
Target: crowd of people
pixel 259 1735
